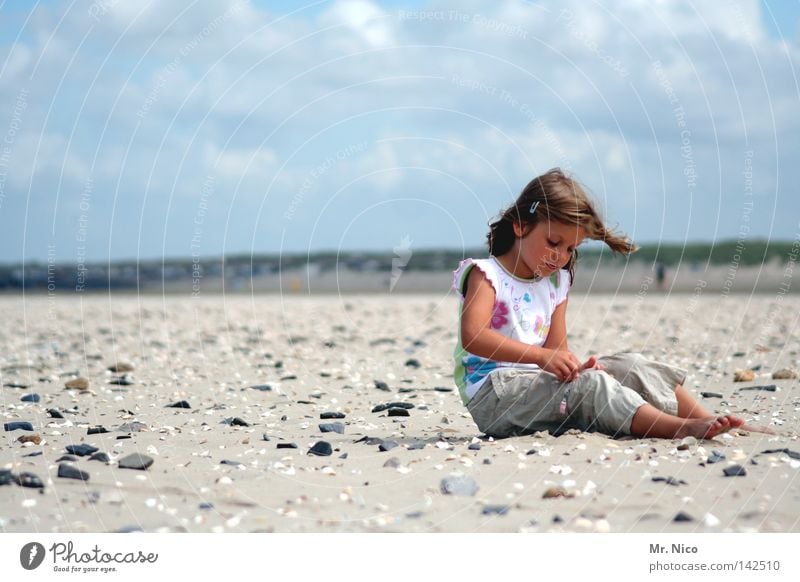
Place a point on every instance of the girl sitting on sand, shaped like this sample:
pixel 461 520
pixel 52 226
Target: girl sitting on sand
pixel 514 370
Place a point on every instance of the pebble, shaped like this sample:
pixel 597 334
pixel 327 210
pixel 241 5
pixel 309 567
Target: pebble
pixel 229 462
pixel 135 461
pixel 238 422
pixel 321 449
pixel 331 415
pixel 262 387
pixel 70 458
pixel 54 413
pixel 793 454
pixel 711 395
pixel 30 438
pixel 670 480
pixel 120 367
pixel 77 384
pixel 123 380
pixel 413 363
pixel 442 389
pixel 382 407
pixel 459 485
pixel 392 463
pixel 765 388
pixel 29 480
pixel 784 374
pixel 734 471
pixel 682 516
pixel 12 426
pixel 332 427
pixel 387 445
pixel 6 477
pixel 286 446
pixel 134 426
pixel 743 376
pixel 81 450
pixel 495 509
pixel 100 456
pixel 31 398
pixel 553 492
pixel 96 430
pixel 398 412
pixel 381 385
pixel 416 445
pixel 715 457
pixel 67 471
pixel 16 385
pixel 179 404
pixel 474 447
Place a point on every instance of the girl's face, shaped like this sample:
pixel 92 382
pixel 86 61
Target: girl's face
pixel 545 248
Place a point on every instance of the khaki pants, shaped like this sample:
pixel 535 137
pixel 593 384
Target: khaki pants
pixel 520 401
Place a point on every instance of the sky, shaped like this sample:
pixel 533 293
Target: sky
pixel 160 129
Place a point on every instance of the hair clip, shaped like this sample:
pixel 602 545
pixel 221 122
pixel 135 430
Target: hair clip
pixel 533 206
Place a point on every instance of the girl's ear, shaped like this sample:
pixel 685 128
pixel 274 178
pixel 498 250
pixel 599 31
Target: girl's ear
pixel 520 229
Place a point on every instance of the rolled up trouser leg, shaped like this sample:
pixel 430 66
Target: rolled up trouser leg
pixel 598 402
pixel 654 381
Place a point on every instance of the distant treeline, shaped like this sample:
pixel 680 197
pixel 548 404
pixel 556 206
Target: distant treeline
pixel 149 274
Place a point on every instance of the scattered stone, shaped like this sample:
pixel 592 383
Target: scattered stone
pixel 553 492
pixel 206 506
pixel 711 395
pixel 6 477
pixel 407 390
pixel 81 450
pixel 12 426
pixel 16 385
pixel 331 415
pixel 228 462
pixel 238 422
pixel 70 458
pixel 120 368
pixel 102 457
pixel 413 363
pixel 557 519
pixel 286 446
pixel 134 426
pixel 734 471
pixel 487 461
pixel 495 509
pixel 670 480
pixel 416 445
pixel 442 389
pixel 77 384
pixel 793 454
pixel 386 445
pixel 34 454
pixel 394 411
pixel 784 374
pixel 135 461
pixel 332 427
pixel 67 471
pixel 179 404
pixel 715 457
pixel 682 516
pixel 321 449
pixel 743 376
pixel 474 446
pixel 459 485
pixel 123 380
pixel 343 456
pixel 262 387
pixel 96 430
pixel 30 438
pixel 381 385
pixel 765 388
pixel 367 440
pixel 54 413
pixel 739 354
pixel 31 398
pixel 382 407
pixel 29 480
pixel 392 463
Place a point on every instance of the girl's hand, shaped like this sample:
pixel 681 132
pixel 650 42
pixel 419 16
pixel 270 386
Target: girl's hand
pixel 592 364
pixel 561 363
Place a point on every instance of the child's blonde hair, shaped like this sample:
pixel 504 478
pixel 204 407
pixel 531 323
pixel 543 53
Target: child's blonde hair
pixel 555 196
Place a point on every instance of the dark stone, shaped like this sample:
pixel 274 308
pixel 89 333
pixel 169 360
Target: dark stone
pixel 558 519
pixel 130 529
pixel 286 445
pixel 416 445
pixel 12 426
pixel 407 390
pixel 16 385
pixel 6 477
pixel 179 404
pixel 31 398
pixel 369 440
pixel 289 377
pixel 382 407
pixel 711 395
pixel 734 471
pixel 683 516
pixel 475 447
pixel 124 436
pixel 487 461
pixel 121 381
pixel 387 445
pixel 670 481
pixel 715 457
pixel 792 454
pixel 96 430
pixel 332 427
pixel 135 461
pixel 265 437
pixel 462 485
pixel 381 385
pixel 70 458
pixel 330 415
pixel 765 388
pixel 29 480
pixel 232 463
pixel 398 412
pixel 239 422
pixel 120 367
pixel 262 387
pixel 206 506
pixel 33 454
pixel 321 449
pixel 54 413
pixel 102 457
pixel 739 354
pixel 442 389
pixel 67 471
pixel 343 456
pixel 81 450
pixel 495 509
pixel 413 363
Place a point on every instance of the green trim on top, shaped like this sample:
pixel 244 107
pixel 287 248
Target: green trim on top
pixel 512 275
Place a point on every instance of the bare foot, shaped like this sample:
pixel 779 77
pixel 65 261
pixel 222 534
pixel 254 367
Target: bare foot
pixel 735 421
pixel 756 428
pixel 705 428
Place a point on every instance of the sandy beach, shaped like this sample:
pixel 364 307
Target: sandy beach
pixel 253 376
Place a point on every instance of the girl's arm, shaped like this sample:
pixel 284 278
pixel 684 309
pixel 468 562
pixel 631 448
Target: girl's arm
pixel 478 338
pixel 557 336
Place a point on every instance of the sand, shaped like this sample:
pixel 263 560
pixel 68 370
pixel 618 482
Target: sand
pixel 323 354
